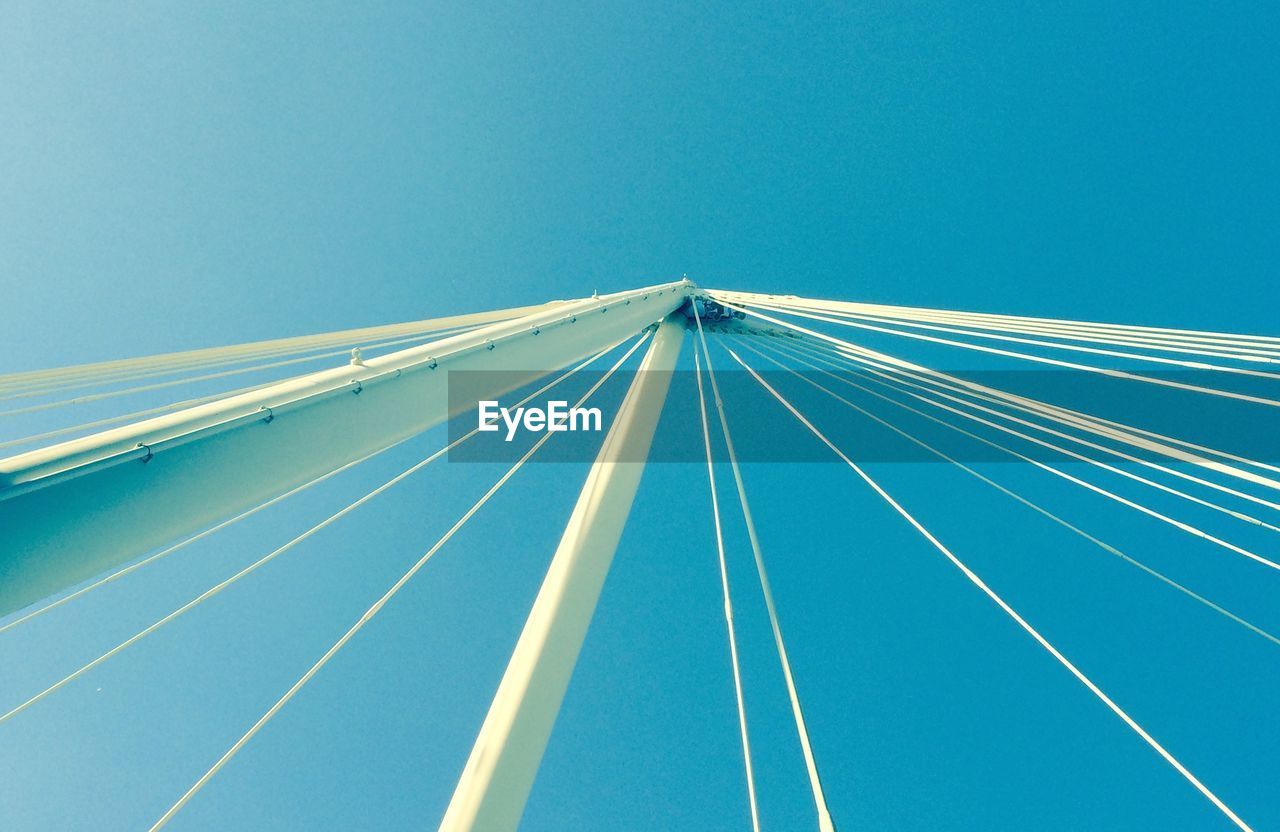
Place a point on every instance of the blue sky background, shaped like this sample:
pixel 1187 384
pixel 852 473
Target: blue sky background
pixel 177 177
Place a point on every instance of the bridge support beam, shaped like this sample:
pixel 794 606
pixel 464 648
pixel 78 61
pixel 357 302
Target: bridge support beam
pixel 74 510
pixel 495 784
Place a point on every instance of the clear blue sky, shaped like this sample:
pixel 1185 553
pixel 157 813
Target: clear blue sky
pixel 177 177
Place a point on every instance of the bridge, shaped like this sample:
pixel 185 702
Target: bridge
pixel 89 503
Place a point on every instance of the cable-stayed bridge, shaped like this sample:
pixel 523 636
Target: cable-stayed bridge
pixel 85 503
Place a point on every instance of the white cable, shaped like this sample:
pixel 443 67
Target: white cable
pixel 1257 355
pixel 133 567
pixel 198 357
pixel 219 587
pixel 1156 447
pixel 1106 547
pixel 379 604
pixel 33 390
pixel 1070 365
pixel 1094 424
pixel 1212 349
pixel 728 604
pixel 134 416
pixel 1008 610
pixel 932 381
pixel 1176 362
pixel 825 823
pixel 159 385
pixel 1164 518
pixel 1200 335
pixel 900 378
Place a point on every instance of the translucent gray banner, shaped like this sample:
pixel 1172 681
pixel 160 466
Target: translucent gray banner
pixel 765 431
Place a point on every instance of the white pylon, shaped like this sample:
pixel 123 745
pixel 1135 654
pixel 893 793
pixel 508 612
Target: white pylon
pixel 491 794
